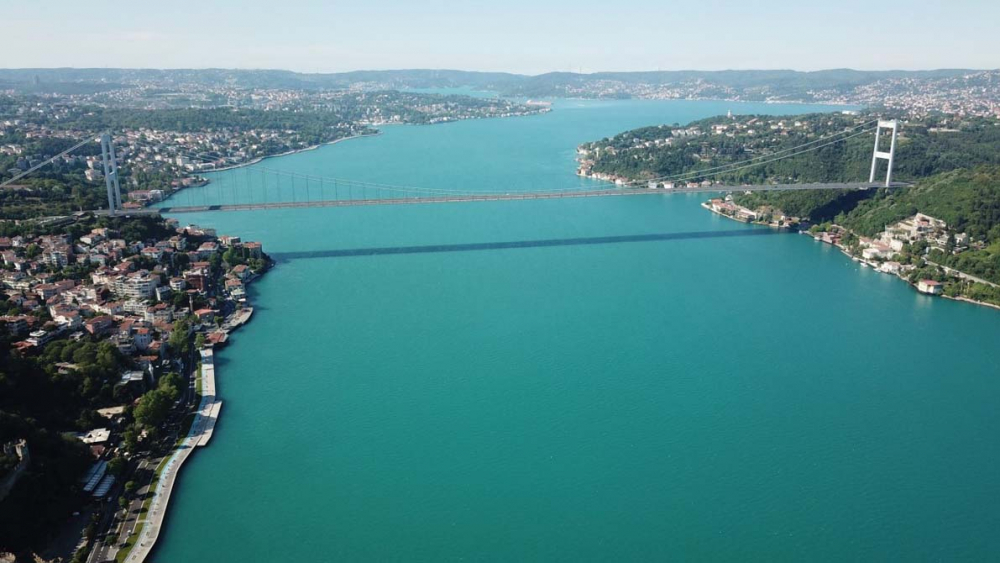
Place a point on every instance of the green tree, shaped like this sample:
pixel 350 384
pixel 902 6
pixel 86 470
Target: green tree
pixel 181 261
pixel 117 466
pixel 180 340
pixel 152 409
pixel 170 384
pixel 132 439
pixel 180 300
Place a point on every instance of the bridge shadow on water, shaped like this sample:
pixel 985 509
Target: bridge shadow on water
pixel 541 243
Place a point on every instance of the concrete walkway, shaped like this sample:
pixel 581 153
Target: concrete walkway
pixel 199 435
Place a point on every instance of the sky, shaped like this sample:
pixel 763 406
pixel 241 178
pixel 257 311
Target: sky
pixel 522 36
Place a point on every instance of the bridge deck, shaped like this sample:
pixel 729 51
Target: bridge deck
pixel 612 192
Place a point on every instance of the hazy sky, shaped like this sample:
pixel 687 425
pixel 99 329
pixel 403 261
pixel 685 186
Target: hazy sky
pixel 507 35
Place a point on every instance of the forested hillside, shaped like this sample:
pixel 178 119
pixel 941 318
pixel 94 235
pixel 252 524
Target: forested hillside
pixel 968 200
pixel 698 150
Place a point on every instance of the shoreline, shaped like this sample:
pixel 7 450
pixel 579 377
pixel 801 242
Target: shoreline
pixel 971 301
pixel 701 99
pixel 199 434
pixel 375 133
pixel 542 111
pixel 738 220
pixel 874 266
pixel 259 159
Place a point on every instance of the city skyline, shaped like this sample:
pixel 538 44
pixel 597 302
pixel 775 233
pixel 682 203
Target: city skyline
pixel 517 37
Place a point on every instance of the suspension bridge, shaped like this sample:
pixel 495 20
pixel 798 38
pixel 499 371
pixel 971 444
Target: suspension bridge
pixel 259 187
pixel 614 192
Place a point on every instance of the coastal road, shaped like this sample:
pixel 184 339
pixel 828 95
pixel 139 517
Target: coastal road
pixel 963 275
pixel 145 471
pixel 106 552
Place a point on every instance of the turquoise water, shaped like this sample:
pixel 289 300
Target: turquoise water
pixel 696 398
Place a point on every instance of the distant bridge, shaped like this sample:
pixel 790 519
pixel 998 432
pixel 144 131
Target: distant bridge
pixel 513 196
pixel 293 191
pixel 264 188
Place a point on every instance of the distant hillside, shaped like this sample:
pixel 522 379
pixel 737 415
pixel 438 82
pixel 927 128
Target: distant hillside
pixel 750 84
pixel 66 80
pixel 703 149
pixel 743 84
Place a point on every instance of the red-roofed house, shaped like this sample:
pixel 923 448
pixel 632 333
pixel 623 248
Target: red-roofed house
pixel 99 325
pixel 255 249
pixel 206 314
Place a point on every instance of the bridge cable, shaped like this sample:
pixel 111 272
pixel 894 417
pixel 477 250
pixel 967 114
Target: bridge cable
pixel 415 192
pixel 784 157
pixel 697 173
pixel 17 177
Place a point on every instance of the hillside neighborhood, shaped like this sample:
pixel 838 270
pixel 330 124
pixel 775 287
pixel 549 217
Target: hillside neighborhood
pixel 134 289
pixel 127 309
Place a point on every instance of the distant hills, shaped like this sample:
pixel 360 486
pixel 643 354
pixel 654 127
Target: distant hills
pixel 69 79
pixel 742 84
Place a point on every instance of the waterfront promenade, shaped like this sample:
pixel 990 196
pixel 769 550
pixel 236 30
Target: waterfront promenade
pixel 199 435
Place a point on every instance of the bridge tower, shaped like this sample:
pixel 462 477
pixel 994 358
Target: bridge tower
pixel 111 174
pixel 882 155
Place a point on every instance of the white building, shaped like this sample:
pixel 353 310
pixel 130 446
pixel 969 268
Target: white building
pixel 930 287
pixel 139 285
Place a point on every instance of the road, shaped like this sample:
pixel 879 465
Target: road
pixel 112 524
pixel 145 471
pixel 963 275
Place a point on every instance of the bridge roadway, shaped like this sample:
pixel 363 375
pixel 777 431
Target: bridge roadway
pixel 505 197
